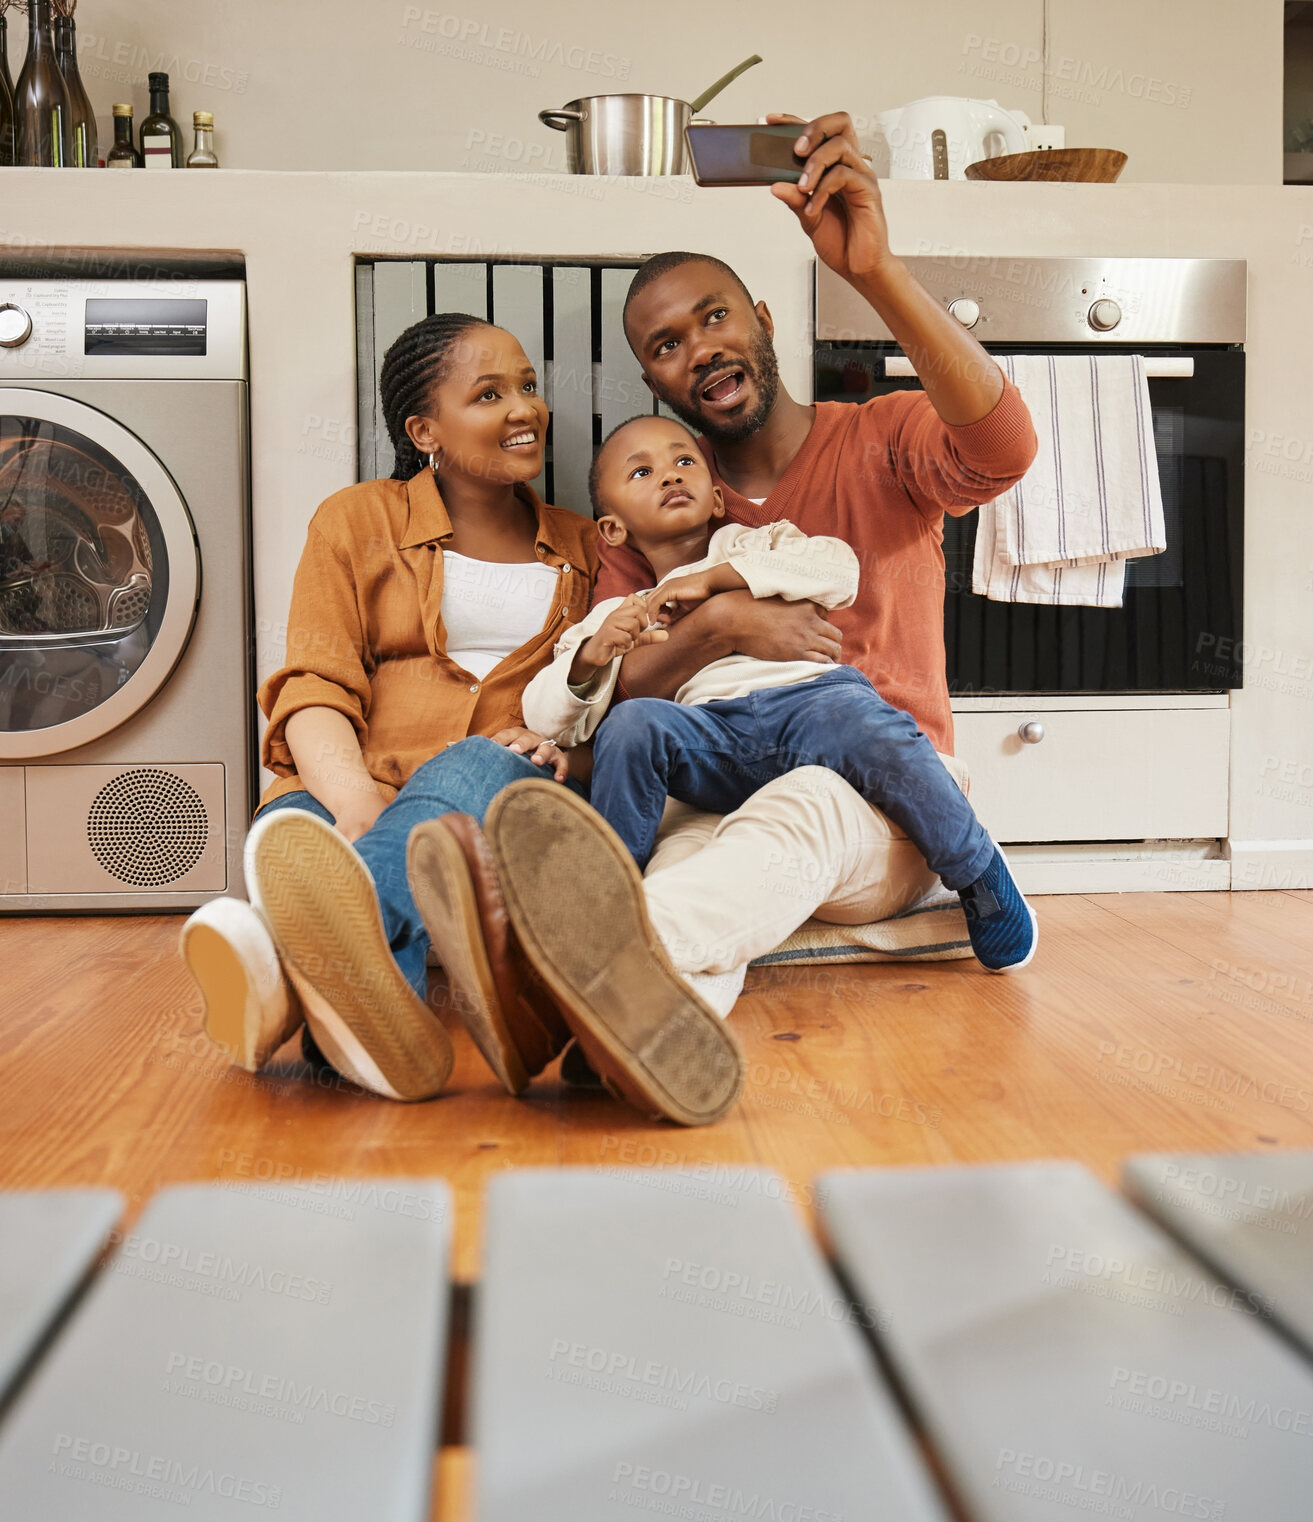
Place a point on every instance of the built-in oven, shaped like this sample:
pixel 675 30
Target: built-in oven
pixel 1179 628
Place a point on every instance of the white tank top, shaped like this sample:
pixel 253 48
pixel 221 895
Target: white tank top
pixel 490 609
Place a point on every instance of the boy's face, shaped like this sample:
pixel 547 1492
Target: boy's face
pixel 653 484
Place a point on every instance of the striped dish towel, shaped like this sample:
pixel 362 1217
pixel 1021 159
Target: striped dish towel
pixel 1092 498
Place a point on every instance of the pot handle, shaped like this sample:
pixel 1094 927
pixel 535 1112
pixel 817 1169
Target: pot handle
pixel 560 120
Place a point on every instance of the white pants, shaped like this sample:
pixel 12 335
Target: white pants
pixel 723 890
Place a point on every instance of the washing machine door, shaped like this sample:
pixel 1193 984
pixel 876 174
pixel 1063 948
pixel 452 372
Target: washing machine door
pixel 99 574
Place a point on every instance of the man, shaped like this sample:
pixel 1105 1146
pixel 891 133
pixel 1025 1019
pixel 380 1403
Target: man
pixel 642 970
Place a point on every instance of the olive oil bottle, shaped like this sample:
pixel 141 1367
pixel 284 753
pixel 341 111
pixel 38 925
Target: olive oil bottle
pixel 124 154
pixel 161 137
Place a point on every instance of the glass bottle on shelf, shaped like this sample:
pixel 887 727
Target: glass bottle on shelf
pixel 6 109
pixel 161 136
pixel 202 155
pixel 123 155
pixel 43 135
pixel 86 148
pixel 4 48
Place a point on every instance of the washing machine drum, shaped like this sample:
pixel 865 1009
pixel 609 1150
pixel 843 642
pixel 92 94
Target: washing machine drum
pixel 98 574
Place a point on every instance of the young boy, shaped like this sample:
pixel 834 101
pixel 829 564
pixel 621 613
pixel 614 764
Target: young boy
pixel 740 722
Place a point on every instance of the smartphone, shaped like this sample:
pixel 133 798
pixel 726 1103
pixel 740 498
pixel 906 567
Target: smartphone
pixel 751 154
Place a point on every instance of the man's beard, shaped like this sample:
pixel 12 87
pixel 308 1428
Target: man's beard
pixel 764 371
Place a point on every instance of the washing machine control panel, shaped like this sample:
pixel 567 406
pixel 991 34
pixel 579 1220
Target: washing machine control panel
pixel 161 329
pixel 154 325
pixel 15 325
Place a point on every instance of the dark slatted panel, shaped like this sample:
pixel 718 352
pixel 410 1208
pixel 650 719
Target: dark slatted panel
pixel 568 317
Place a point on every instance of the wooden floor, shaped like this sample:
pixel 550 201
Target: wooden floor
pixel 1171 1021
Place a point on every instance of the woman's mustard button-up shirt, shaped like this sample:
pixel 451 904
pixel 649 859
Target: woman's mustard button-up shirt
pixel 365 634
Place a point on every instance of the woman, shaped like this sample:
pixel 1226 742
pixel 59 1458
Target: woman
pixel 422 606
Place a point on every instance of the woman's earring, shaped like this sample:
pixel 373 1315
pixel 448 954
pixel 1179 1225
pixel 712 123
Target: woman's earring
pixel 433 461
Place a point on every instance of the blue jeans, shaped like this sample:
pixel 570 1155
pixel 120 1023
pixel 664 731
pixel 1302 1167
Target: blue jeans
pixel 463 779
pixel 715 755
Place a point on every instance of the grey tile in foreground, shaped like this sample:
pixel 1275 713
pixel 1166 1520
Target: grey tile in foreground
pixel 1250 1217
pixel 247 1351
pixel 48 1240
pixel 673 1343
pixel 1066 1356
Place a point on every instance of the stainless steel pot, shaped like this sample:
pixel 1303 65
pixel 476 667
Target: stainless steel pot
pixel 623 134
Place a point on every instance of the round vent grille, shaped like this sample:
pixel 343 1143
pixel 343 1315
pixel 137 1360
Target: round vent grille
pixel 147 827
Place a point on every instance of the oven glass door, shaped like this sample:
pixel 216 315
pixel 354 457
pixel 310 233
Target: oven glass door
pixel 98 574
pixel 1180 625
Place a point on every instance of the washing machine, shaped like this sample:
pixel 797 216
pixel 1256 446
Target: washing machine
pixel 126 754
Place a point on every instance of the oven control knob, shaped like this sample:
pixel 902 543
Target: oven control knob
pixel 15 326
pixel 965 310
pixel 1104 315
pixel 1031 732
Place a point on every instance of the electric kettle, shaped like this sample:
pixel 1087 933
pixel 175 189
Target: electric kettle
pixel 936 138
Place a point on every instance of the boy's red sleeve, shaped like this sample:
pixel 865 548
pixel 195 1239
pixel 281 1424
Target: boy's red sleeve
pixel 621 570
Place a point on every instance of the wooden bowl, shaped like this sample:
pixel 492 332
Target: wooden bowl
pixel 1099 166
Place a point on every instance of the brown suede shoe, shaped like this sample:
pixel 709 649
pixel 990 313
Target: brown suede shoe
pixel 504 1004
pixel 575 899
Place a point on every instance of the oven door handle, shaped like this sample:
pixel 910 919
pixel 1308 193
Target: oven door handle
pixel 1168 367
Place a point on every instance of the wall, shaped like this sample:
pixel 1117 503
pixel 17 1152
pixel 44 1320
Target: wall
pixel 1191 89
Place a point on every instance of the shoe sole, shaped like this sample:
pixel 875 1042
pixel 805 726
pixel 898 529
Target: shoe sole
pixel 230 1020
pixel 1034 923
pixel 320 902
pixel 576 901
pixel 238 1015
pixel 444 895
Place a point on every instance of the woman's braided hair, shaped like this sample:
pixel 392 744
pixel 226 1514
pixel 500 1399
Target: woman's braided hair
pixel 411 366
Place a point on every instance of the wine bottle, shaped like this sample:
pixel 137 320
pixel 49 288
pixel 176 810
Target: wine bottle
pixel 8 125
pixel 6 103
pixel 202 155
pixel 161 136
pixel 123 155
pixel 41 108
pixel 4 48
pixel 86 148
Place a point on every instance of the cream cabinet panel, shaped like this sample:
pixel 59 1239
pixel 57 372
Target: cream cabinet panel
pixel 1099 775
pixel 13 831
